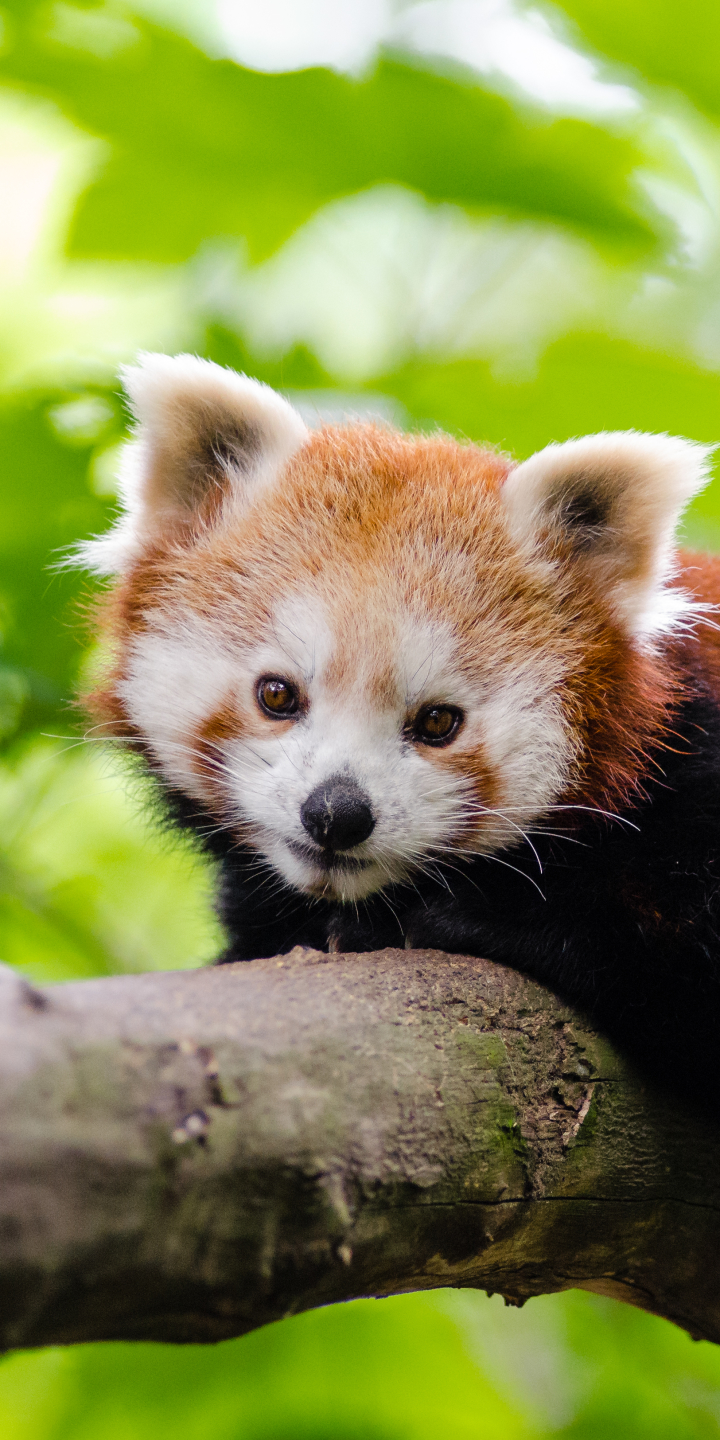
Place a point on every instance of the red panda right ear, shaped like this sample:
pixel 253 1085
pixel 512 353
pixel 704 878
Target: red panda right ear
pixel 606 507
pixel 206 439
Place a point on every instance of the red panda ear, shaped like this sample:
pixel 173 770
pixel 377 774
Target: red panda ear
pixel 608 505
pixel 203 435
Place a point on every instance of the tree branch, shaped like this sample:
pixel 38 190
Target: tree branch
pixel 187 1156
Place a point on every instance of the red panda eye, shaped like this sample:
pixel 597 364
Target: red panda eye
pixel 437 724
pixel 277 697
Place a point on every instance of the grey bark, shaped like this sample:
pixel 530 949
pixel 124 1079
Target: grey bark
pixel 187 1156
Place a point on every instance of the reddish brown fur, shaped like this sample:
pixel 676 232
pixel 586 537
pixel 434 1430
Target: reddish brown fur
pixel 699 576
pixel 419 519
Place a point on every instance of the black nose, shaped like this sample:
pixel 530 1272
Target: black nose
pixel 337 814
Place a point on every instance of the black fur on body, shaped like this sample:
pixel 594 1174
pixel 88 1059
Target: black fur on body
pixel 622 920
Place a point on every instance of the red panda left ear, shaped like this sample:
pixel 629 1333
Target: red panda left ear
pixel 608 505
pixel 206 442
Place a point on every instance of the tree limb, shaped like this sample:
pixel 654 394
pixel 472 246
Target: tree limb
pixel 187 1156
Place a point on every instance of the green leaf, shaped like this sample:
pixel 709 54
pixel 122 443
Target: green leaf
pixel 204 147
pixel 666 43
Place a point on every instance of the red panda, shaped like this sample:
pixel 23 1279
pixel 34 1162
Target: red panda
pixel 408 692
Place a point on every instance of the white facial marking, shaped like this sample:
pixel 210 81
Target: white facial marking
pixel 179 675
pixel 527 740
pixel 176 677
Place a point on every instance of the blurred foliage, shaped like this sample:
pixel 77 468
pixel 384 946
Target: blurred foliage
pixel 45 503
pixel 208 148
pixel 460 256
pixel 86 888
pixel 417 1367
pixel 667 45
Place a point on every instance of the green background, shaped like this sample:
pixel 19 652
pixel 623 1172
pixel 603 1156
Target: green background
pixel 412 235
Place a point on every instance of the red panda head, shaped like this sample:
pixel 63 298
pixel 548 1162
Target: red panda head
pixel 360 650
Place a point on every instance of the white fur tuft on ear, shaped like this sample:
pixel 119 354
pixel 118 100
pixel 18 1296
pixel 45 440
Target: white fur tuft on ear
pixel 202 433
pixel 608 504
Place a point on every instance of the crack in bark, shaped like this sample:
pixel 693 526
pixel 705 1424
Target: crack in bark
pixel 566 1200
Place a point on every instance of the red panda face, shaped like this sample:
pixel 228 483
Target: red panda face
pixel 363 652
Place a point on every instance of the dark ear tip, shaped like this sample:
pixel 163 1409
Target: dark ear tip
pixel 226 447
pixel 584 514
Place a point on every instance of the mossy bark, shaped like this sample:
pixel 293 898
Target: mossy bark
pixel 187 1156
